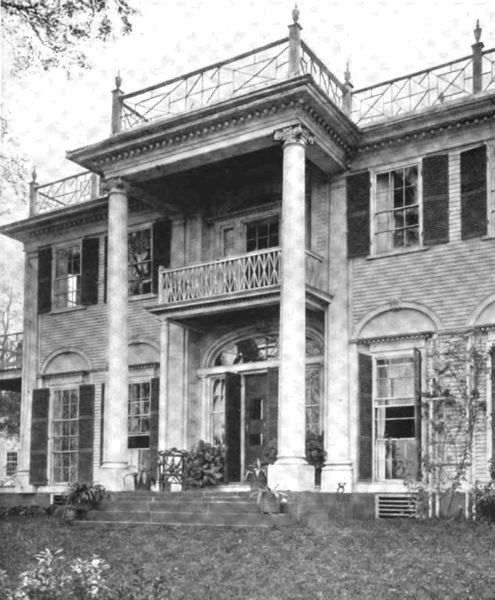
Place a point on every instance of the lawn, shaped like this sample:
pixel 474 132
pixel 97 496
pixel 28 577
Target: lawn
pixel 352 559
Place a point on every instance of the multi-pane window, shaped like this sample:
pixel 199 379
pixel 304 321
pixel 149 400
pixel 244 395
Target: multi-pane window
pixel 262 234
pixel 313 399
pixel 218 411
pixel 394 418
pixel 140 262
pixel 67 285
pixel 139 415
pixel 65 435
pixel 11 466
pixel 397 209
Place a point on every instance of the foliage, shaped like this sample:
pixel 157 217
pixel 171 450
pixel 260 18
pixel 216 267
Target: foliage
pixel 256 474
pixel 57 33
pixel 84 493
pixel 10 412
pixel 13 171
pixel 56 578
pixel 33 510
pixel 483 497
pixel 270 500
pixel 204 465
pixel 452 410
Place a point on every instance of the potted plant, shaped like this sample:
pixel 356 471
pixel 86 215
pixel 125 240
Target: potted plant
pixel 256 475
pixel 270 501
pixel 144 479
pixel 204 465
pixel 80 497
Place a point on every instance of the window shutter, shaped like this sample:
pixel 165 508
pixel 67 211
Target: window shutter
pixel 365 375
pixel 232 427
pixel 105 268
pixel 89 271
pixel 161 248
pixel 86 432
pixel 436 199
pixel 473 193
pixel 272 414
pixel 39 437
pixel 44 280
pixel 417 413
pixel 102 421
pixel 154 408
pixel 358 215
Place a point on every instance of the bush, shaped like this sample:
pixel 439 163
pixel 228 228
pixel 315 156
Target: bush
pixel 33 510
pixel 204 465
pixel 484 501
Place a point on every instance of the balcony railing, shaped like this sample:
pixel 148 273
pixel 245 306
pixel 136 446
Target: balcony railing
pixel 423 89
pixel 11 351
pixel 322 76
pixel 64 192
pixel 250 272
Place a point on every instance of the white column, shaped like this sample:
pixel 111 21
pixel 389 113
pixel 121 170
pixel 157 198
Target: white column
pixel 163 397
pixel 29 366
pixel 338 466
pixel 291 471
pixel 116 396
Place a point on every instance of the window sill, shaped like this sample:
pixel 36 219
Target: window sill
pixel 137 297
pixel 70 309
pixel 398 252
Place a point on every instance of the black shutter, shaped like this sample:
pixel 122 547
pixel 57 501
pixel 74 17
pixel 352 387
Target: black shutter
pixel 102 421
pixel 473 193
pixel 358 215
pixel 39 437
pixel 86 432
pixel 89 271
pixel 161 248
pixel 105 269
pixel 155 390
pixel 272 412
pixel 436 199
pixel 492 385
pixel 44 280
pixel 365 375
pixel 232 427
pixel 417 413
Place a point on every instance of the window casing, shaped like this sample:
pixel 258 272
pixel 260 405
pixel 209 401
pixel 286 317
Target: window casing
pixel 394 418
pixel 139 414
pixel 397 219
pixel 67 279
pixel 140 262
pixel 65 435
pixel 262 234
pixel 11 464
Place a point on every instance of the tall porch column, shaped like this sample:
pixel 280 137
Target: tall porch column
pixel 338 466
pixel 291 471
pixel 164 377
pixel 115 415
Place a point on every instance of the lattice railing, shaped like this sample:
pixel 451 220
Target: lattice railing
pixel 423 89
pixel 488 70
pixel 202 87
pixel 11 351
pixel 67 192
pixel 325 79
pixel 249 272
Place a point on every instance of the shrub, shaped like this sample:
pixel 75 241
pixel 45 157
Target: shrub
pixel 204 465
pixel 484 501
pixel 33 510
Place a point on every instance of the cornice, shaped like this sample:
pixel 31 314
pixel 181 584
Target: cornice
pixel 393 338
pixel 77 221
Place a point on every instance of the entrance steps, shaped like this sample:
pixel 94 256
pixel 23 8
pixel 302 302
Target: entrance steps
pixel 215 507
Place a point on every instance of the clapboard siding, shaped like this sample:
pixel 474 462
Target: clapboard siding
pixel 451 280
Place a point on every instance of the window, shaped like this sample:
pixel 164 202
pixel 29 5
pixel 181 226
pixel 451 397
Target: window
pixel 397 209
pixel 218 411
pixel 313 399
pixel 140 265
pixel 65 435
pixel 262 234
pixel 11 467
pixel 394 414
pixel 67 286
pixel 139 415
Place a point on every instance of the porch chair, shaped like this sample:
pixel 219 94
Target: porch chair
pixel 170 467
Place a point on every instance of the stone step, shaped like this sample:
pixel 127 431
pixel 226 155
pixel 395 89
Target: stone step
pixel 218 507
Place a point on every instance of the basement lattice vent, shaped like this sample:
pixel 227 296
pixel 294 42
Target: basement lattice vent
pixel 395 507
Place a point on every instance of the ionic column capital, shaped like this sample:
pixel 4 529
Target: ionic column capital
pixel 295 134
pixel 116 185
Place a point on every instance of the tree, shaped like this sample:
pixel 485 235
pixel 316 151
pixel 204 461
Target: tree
pixel 57 33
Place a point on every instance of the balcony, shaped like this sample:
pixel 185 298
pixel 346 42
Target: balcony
pixel 11 361
pixel 249 279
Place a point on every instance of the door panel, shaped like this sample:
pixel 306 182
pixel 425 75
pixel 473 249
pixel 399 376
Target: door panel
pixel 232 427
pixel 256 401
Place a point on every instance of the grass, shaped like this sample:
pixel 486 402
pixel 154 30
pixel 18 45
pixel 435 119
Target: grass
pixel 345 560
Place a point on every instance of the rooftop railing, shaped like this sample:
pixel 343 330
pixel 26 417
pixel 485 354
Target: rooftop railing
pixel 63 192
pixel 11 351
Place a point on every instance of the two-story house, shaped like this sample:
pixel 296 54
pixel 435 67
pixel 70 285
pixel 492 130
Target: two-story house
pixel 260 250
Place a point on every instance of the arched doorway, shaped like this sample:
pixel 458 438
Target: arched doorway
pixel 241 396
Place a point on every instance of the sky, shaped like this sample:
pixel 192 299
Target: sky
pixel 50 114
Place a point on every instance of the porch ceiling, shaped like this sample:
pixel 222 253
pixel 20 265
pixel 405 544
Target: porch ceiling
pixel 232 127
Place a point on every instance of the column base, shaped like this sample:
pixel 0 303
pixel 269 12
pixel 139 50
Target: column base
pixel 294 477
pixel 335 476
pixel 113 477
